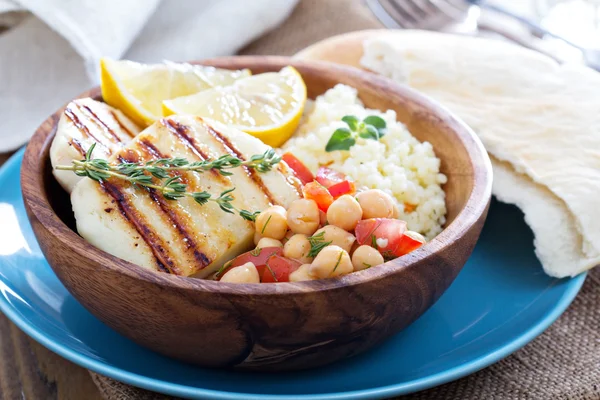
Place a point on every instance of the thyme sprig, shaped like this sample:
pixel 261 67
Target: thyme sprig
pixel 156 174
pixel 160 168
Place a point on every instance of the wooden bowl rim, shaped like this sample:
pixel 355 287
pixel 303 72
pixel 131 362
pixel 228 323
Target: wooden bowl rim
pixel 474 208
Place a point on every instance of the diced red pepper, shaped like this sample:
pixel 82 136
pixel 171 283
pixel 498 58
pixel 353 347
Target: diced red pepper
pixel 319 193
pixel 300 170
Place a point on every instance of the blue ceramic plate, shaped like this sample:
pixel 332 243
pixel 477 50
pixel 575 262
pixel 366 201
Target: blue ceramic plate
pixel 498 303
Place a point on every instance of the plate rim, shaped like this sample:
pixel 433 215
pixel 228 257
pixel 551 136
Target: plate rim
pixel 175 389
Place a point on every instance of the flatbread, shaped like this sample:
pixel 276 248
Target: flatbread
pixel 558 244
pixel 540 117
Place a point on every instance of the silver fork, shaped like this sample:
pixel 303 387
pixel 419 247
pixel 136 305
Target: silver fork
pixel 420 14
pixel 463 15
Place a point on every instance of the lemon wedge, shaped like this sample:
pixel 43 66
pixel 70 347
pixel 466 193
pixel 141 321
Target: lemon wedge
pixel 267 106
pixel 139 89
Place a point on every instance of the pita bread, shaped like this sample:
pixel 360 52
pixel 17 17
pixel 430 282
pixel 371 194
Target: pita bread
pixel 558 244
pixel 541 118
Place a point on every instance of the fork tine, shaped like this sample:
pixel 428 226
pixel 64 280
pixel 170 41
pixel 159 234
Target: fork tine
pixel 406 17
pixel 423 14
pixel 453 9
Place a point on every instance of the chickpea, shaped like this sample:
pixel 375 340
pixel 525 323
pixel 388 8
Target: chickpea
pixel 344 212
pixel 376 203
pixel 257 237
pixel 366 257
pixel 287 237
pixel 303 216
pixel 268 242
pixel 297 248
pixel 396 211
pixel 330 262
pixel 301 274
pixel 337 236
pixel 272 223
pixel 246 273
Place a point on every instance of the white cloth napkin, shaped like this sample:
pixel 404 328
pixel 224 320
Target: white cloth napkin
pixel 50 51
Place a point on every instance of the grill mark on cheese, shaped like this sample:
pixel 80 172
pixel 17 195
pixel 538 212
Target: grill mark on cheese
pixel 99 122
pixel 76 144
pixel 180 131
pixel 176 219
pixel 121 125
pixel 163 260
pixel 151 148
pixel 251 172
pixel 77 122
pixel 190 244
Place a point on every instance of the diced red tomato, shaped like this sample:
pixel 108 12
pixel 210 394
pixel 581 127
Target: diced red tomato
pixel 336 182
pixel 319 193
pixel 300 170
pixel 329 177
pixel 342 188
pixel 390 232
pixel 258 257
pixel 407 244
pixel 278 269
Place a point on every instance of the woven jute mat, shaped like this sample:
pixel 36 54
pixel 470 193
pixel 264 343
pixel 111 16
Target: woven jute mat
pixel 563 363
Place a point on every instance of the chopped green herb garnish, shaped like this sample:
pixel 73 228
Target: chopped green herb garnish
pixel 223 268
pixel 265 225
pixel 317 243
pixel 374 241
pixel 338 262
pixel 271 271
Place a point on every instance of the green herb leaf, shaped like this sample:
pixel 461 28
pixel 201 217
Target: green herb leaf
pixel 317 243
pixel 369 132
pixel 341 139
pixel 271 271
pixel 372 127
pixel 375 121
pixel 338 262
pixel 352 121
pixel 374 242
pixel 88 154
pixel 249 215
pixel 265 225
pixel 223 268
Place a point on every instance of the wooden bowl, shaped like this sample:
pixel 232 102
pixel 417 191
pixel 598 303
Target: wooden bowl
pixel 279 326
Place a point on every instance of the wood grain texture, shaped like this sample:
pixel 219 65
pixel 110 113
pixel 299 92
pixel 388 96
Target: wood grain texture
pixel 277 326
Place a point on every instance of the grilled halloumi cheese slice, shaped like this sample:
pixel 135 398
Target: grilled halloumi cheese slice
pixel 181 237
pixel 83 123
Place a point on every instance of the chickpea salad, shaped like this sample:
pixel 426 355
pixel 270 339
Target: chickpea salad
pixel 239 178
pixel 321 235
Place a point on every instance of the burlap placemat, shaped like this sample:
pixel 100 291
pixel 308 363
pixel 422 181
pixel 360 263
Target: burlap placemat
pixel 563 363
